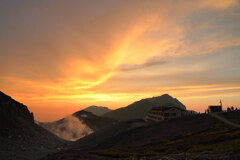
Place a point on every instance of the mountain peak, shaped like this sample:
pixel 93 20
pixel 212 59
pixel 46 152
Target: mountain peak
pixel 139 109
pixel 97 110
pixel 165 95
pixel 77 125
pixel 93 106
pixel 166 99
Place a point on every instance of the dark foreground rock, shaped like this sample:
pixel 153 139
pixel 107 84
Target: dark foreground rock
pixel 20 137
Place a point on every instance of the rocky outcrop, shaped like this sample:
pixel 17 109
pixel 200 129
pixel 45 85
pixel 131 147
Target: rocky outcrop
pixel 13 110
pixel 20 137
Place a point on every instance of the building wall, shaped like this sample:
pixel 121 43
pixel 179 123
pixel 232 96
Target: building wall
pixel 215 108
pixel 172 113
pixel 154 115
pixel 159 115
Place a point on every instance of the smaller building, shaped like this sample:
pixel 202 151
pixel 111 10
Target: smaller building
pixel 215 108
pixel 164 113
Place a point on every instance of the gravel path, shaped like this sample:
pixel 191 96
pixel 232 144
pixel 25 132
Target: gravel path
pixel 224 120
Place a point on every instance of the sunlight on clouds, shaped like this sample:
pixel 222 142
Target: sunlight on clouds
pixel 82 74
pixel 115 52
pixel 220 4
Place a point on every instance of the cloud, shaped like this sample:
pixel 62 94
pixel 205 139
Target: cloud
pixel 147 64
pixel 218 69
pixel 68 40
pixel 218 4
pixel 55 49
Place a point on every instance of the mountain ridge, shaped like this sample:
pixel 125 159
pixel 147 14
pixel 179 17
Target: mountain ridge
pixel 77 125
pixel 139 109
pixel 97 110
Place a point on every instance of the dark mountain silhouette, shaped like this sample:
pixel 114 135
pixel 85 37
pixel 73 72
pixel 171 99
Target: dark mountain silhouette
pixel 20 137
pixel 97 110
pixel 77 125
pixel 140 108
pixel 192 137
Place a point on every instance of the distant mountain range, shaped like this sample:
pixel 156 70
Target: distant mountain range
pixel 83 123
pixel 77 125
pixel 97 110
pixel 139 109
pixel 199 135
pixel 20 137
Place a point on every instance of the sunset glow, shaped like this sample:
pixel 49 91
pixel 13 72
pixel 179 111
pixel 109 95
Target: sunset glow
pixel 66 56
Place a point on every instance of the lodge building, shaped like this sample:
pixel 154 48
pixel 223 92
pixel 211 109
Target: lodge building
pixel 164 113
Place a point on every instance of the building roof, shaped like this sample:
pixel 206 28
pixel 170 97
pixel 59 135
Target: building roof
pixel 215 106
pixel 218 106
pixel 164 108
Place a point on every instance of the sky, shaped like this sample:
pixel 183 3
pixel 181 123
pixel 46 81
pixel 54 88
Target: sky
pixel 59 56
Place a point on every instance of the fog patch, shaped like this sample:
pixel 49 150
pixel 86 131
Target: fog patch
pixel 69 128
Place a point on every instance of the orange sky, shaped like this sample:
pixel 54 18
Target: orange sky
pixel 58 57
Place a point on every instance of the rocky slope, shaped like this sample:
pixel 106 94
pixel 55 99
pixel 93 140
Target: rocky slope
pixel 140 108
pixel 20 137
pixel 97 110
pixel 199 137
pixel 77 125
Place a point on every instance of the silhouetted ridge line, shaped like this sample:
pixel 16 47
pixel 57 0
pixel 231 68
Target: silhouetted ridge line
pixel 140 108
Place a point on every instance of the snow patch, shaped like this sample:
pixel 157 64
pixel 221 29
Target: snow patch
pixel 84 115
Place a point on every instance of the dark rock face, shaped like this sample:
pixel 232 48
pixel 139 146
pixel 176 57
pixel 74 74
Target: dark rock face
pixel 20 137
pixel 9 108
pixel 12 113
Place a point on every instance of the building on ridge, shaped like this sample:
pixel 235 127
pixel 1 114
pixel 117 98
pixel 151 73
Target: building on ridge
pixel 165 112
pixel 216 108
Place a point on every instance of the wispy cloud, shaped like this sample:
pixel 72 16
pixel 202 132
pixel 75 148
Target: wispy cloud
pixel 145 65
pixel 85 48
